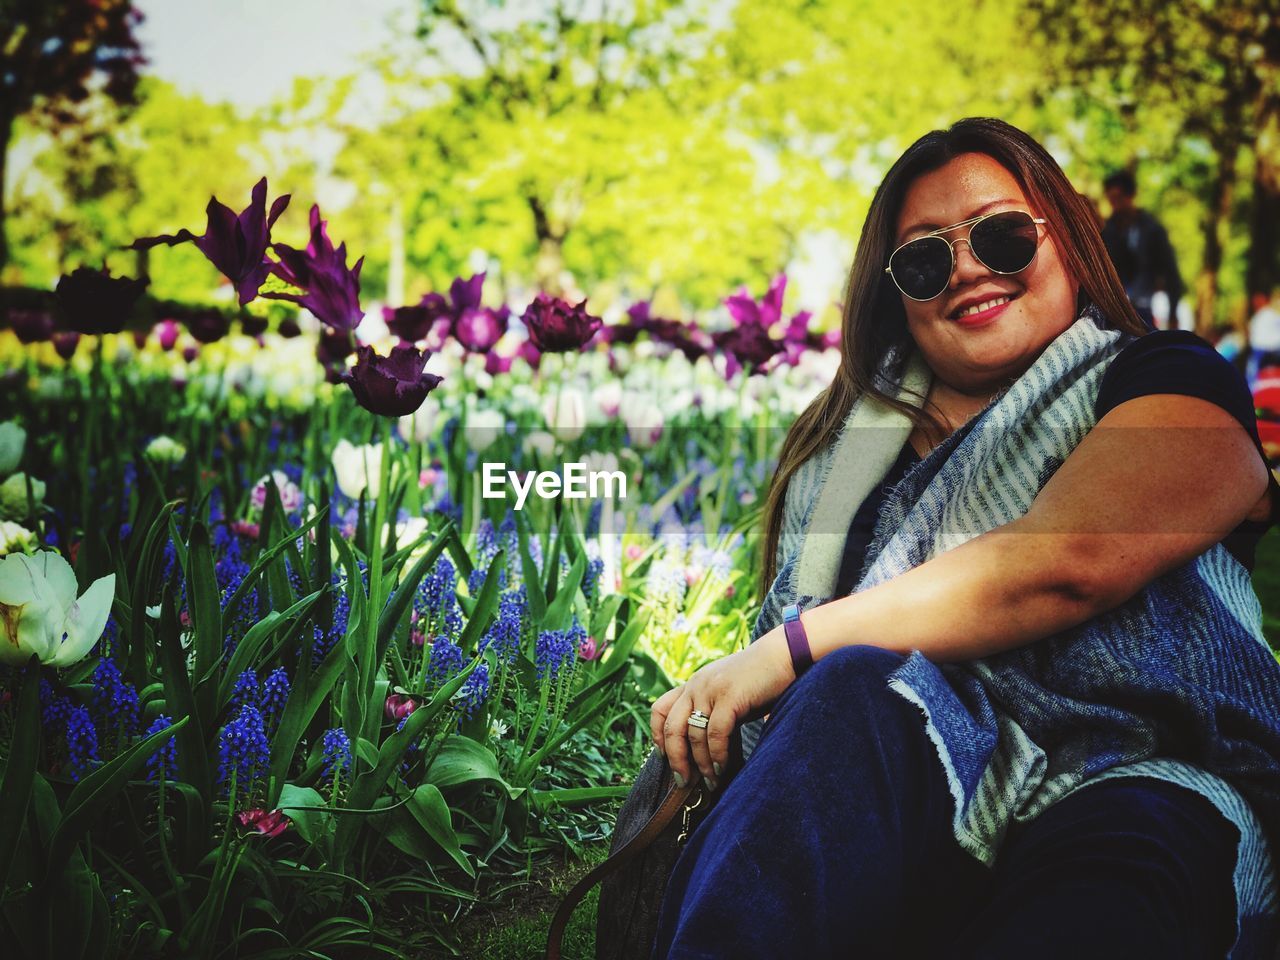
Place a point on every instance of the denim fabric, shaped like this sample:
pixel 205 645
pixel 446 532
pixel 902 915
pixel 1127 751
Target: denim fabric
pixel 835 840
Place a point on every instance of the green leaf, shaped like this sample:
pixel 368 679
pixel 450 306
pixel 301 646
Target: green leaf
pixel 575 796
pixel 400 600
pixel 463 760
pixel 615 660
pixel 561 609
pixel 20 769
pixel 145 577
pixel 90 797
pixel 203 601
pixel 266 556
pixel 298 803
pixel 427 806
pixel 247 650
pixel 193 757
pixel 537 597
pixel 310 691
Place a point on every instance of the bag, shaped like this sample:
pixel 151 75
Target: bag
pixel 655 820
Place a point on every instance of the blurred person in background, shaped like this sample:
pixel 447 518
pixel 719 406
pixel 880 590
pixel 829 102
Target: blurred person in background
pixel 1140 249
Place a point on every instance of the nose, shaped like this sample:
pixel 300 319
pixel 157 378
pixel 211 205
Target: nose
pixel 967 267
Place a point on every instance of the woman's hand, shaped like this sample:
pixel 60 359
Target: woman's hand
pixel 737 688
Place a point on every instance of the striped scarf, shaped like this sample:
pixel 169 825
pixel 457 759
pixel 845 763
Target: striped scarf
pixel 1176 683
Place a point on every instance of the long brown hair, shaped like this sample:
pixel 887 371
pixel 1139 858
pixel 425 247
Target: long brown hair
pixel 874 321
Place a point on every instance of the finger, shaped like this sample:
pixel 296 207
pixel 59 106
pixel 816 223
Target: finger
pixel 698 747
pixel 658 715
pixel 719 731
pixel 675 739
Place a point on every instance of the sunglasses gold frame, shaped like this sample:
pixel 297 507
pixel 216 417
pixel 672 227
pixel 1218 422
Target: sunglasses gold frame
pixel 951 249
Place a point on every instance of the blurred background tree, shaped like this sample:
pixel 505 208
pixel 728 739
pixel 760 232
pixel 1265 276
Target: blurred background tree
pixel 55 55
pixel 687 146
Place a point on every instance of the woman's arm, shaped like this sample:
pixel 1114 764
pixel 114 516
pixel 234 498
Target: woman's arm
pixel 1161 479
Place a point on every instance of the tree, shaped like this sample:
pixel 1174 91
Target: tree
pixel 54 54
pixel 1213 64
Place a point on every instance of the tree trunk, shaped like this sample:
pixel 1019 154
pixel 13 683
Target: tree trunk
pixel 549 263
pixel 6 132
pixel 1217 216
pixel 1262 273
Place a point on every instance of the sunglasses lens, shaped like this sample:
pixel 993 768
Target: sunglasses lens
pixel 1005 242
pixel 922 268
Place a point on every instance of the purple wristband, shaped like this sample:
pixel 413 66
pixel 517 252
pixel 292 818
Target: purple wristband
pixel 797 640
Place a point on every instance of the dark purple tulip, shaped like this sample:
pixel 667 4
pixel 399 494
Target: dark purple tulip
pixel 236 245
pixel 207 326
pixel 414 323
pixel 93 301
pixel 253 326
pixel 479 328
pixel 332 291
pixel 167 334
pixel 190 352
pixel 140 338
pixel 392 386
pixel 530 354
pixel 748 346
pixel 494 364
pixel 65 343
pixel 556 327
pixel 289 328
pixel 744 309
pixel 334 346
pixel 31 326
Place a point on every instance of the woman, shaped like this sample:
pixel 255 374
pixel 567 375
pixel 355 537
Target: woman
pixel 1035 715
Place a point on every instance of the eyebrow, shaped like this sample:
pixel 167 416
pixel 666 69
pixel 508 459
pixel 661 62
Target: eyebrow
pixel 929 227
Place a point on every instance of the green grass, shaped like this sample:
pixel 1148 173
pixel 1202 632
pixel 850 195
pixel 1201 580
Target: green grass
pixel 1266 583
pixel 516 928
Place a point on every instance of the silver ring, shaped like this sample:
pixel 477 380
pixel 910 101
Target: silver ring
pixel 699 719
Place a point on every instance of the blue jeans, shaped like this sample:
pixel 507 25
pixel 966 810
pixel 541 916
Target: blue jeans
pixel 835 840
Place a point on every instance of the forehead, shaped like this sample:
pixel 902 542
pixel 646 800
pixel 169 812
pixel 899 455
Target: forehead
pixel 970 184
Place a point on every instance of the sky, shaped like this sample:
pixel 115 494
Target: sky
pixel 249 51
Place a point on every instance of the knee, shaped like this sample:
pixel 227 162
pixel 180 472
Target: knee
pixel 859 668
pixel 846 687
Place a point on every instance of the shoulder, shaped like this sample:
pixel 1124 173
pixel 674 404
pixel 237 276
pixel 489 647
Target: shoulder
pixel 1175 361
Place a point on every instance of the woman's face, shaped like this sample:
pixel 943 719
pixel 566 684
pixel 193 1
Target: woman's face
pixel 980 353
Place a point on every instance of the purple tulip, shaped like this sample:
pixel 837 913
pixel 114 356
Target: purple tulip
pixel 140 338
pixel 236 245
pixel 167 334
pixel 392 386
pixel 207 326
pixel 190 352
pixel 93 301
pixel 289 328
pixel 415 323
pixel 556 327
pixel 530 354
pixel 252 326
pixel 766 313
pixel 65 343
pixel 480 328
pixel 495 364
pixel 332 291
pixel 31 326
pixel 748 346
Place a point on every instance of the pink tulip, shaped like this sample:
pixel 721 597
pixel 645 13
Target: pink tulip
pixel 399 706
pixel 260 821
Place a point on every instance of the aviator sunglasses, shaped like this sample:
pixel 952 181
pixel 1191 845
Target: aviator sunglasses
pixel 1002 242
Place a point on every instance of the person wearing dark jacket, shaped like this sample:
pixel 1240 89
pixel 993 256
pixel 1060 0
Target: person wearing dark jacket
pixel 1140 249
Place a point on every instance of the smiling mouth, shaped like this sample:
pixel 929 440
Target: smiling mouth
pixel 977 308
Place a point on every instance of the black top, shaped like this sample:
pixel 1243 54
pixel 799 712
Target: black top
pixel 1164 361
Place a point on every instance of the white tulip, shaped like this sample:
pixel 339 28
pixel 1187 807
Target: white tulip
pixel 357 468
pixel 419 425
pixel 607 397
pixel 541 443
pixel 39 612
pixel 643 418
pixel 566 413
pixel 483 428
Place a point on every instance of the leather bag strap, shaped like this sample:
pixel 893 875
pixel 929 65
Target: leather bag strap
pixel 675 799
